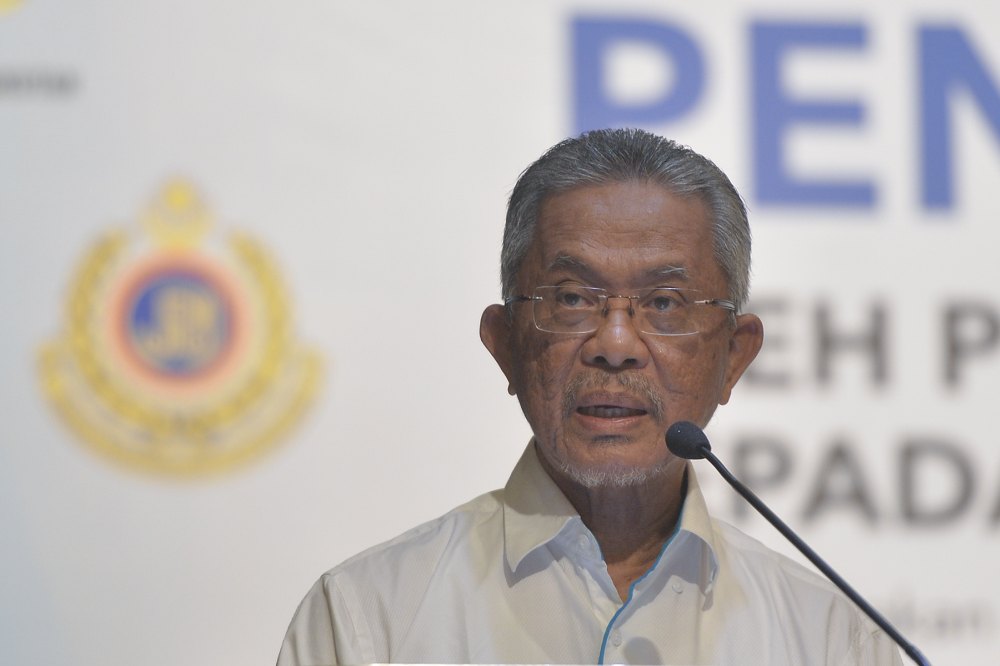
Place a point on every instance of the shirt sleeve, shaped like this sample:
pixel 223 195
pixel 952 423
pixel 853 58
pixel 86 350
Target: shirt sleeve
pixel 879 650
pixel 871 646
pixel 322 631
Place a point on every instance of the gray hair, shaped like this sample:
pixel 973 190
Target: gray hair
pixel 619 155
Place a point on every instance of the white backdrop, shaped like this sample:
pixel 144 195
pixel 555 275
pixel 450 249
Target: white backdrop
pixel 370 147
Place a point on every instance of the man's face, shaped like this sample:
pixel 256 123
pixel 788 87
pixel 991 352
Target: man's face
pixel 599 403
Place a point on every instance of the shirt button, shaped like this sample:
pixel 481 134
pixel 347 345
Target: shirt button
pixel 616 637
pixel 677 587
pixel 584 543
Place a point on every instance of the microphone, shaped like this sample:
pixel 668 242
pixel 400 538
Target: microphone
pixel 687 440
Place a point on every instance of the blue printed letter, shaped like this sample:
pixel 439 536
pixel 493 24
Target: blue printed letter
pixel 593 38
pixel 774 112
pixel 947 65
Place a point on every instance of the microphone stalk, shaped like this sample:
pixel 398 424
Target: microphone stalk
pixel 693 446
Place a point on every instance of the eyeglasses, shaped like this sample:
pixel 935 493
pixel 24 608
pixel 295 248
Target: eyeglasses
pixel 662 311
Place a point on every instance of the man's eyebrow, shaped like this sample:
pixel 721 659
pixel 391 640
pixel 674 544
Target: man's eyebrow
pixel 580 268
pixel 672 272
pixel 567 262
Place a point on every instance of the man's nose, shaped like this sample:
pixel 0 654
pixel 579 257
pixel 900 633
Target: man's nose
pixel 616 343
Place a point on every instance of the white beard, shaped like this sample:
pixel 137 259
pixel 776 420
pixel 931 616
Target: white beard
pixel 611 476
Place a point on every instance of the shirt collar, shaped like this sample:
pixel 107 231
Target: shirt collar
pixel 536 511
pixel 696 529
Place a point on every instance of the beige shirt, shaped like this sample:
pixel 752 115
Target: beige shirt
pixel 514 576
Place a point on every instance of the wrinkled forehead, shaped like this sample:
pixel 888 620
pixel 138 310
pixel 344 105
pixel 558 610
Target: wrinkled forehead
pixel 591 272
pixel 634 232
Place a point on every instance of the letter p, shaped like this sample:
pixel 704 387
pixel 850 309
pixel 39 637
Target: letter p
pixel 594 41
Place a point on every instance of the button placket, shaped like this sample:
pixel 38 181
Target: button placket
pixel 584 557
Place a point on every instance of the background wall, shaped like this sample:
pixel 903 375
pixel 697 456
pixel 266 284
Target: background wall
pixel 367 150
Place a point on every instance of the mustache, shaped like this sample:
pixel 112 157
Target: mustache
pixel 635 385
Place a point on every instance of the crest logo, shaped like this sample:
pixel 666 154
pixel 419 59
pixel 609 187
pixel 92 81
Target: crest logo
pixel 8 6
pixel 178 354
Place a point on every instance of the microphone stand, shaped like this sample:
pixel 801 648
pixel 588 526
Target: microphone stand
pixel 804 548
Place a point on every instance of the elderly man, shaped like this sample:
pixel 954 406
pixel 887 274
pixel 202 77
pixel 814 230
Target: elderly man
pixel 625 262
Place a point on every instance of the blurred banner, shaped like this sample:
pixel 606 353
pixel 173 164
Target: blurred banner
pixel 246 248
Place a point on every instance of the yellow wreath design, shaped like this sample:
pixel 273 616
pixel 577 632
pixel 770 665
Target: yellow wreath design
pixel 159 429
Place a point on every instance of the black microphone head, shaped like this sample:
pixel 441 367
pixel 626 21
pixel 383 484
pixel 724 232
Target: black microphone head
pixel 686 440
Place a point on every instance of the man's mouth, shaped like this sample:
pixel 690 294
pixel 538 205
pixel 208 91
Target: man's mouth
pixel 610 411
pixel 609 398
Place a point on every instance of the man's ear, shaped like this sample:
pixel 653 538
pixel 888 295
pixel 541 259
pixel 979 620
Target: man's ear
pixel 746 340
pixel 495 332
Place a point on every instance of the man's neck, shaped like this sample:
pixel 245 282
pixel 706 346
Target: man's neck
pixel 631 523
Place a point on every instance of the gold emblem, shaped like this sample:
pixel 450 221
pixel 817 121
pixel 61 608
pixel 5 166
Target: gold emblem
pixel 8 6
pixel 178 354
